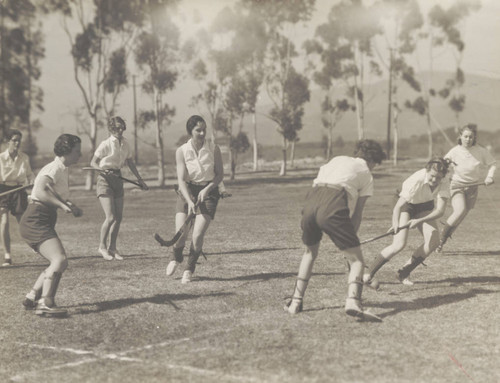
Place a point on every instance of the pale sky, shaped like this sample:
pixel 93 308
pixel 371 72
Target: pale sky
pixel 482 57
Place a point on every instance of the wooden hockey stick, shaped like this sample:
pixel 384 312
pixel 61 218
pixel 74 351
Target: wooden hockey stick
pixel 103 172
pixel 15 190
pixel 384 235
pixel 177 235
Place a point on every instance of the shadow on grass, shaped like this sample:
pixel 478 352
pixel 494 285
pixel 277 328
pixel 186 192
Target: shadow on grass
pixel 159 299
pixel 470 253
pixel 260 277
pixel 464 280
pixel 249 251
pixel 428 303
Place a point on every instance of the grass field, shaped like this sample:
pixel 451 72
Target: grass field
pixel 128 322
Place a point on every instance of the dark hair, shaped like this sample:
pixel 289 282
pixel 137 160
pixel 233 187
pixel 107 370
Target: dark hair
pixel 192 122
pixel 369 150
pixel 65 144
pixel 113 123
pixel 439 164
pixel 472 128
pixel 11 133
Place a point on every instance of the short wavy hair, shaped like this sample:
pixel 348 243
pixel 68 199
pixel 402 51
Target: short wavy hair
pixel 472 128
pixel 439 164
pixel 192 122
pixel 11 133
pixel 65 144
pixel 370 150
pixel 114 122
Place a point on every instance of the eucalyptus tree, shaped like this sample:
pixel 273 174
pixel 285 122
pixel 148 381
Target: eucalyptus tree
pixel 21 50
pixel 402 22
pixel 100 36
pixel 348 36
pixel 287 89
pixel 158 55
pixel 446 24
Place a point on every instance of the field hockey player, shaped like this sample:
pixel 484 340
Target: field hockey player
pixel 335 206
pixel 415 208
pixel 111 155
pixel 199 173
pixel 37 225
pixel 15 171
pixel 467 158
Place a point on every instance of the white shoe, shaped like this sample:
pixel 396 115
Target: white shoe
pixel 407 282
pixel 105 254
pixel 171 267
pixel 372 283
pixel 186 277
pixel 117 255
pixel 294 306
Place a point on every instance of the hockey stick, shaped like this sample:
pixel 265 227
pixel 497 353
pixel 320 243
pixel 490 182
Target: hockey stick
pixel 177 235
pixel 102 171
pixel 15 190
pixel 75 210
pixel 384 235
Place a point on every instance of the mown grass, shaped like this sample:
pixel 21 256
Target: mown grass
pixel 130 323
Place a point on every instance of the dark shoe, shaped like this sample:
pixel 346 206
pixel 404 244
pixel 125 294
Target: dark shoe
pixel 7 262
pixel 29 304
pixel 54 311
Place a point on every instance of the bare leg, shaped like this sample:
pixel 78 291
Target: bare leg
pixel 303 276
pixel 201 224
pixel 4 230
pixel 116 222
pixel 108 206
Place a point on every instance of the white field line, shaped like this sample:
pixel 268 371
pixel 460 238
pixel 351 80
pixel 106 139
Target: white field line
pixel 121 356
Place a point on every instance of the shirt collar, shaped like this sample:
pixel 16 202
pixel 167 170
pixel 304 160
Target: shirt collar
pixel 60 163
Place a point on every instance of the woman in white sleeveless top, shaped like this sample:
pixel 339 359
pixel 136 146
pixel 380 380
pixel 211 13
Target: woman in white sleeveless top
pixel 199 173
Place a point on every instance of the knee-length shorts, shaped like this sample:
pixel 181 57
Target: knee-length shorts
pixel 37 224
pixel 326 211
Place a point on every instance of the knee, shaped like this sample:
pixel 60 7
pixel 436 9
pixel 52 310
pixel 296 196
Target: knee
pixel 60 264
pixel 110 219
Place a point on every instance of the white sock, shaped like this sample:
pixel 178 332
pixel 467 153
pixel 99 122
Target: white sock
pixel 7 255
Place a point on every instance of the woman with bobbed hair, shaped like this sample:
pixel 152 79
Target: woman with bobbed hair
pixel 37 225
pixel 199 173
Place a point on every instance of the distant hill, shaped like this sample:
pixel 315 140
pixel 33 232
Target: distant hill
pixel 482 107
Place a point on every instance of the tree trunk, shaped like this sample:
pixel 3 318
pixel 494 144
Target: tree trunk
pixel 292 154
pixel 255 147
pixel 159 142
pixel 396 137
pixel 232 159
pixel 429 133
pixel 283 164
pixel 329 144
pixel 89 178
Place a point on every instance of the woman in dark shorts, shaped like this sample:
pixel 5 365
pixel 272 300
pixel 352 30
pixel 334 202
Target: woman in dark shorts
pixel 37 225
pixel 415 208
pixel 334 206
pixel 199 173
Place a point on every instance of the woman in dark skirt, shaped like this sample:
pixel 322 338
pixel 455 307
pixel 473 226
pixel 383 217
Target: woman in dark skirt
pixel 199 173
pixel 37 225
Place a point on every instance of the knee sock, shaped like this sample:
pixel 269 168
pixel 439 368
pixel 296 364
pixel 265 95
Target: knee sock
pixel 411 265
pixel 376 265
pixel 177 254
pixel 447 231
pixel 50 285
pixel 192 259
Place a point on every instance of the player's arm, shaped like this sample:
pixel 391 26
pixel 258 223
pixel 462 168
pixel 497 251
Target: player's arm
pixel 491 172
pixel 94 162
pixel 182 176
pixel 219 175
pixel 357 215
pixel 438 212
pixel 131 165
pixel 44 195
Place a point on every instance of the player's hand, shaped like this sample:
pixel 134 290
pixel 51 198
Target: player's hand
pixel 76 211
pixel 143 184
pixel 191 207
pixel 488 181
pixel 202 196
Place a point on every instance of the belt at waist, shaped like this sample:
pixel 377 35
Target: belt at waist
pixel 12 184
pixel 36 202
pixel 203 183
pixel 337 187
